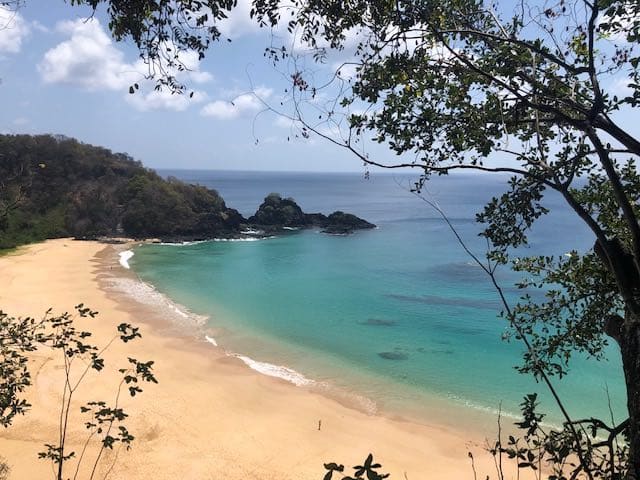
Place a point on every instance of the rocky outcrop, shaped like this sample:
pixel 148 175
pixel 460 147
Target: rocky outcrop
pixel 277 213
pixel 340 223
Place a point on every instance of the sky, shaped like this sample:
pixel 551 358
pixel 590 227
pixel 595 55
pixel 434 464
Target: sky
pixel 61 73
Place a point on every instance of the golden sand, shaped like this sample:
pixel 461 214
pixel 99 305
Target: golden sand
pixel 210 416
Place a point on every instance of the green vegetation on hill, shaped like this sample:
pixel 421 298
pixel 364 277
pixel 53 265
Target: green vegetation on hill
pixel 52 186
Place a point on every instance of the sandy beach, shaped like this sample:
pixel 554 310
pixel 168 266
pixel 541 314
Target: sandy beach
pixel 210 416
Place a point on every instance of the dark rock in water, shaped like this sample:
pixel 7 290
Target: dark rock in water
pixel 340 223
pixel 316 219
pixel 277 213
pixel 393 355
pixel 378 322
pixel 233 219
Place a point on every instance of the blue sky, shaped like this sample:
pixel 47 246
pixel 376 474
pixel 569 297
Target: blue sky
pixel 62 73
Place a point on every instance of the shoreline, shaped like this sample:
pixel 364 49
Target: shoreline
pixel 354 391
pixel 478 419
pixel 256 426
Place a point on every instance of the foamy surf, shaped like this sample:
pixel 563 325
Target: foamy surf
pixel 125 257
pixel 350 399
pixel 180 312
pixel 182 244
pixel 495 412
pixel 198 242
pixel 247 239
pixel 498 412
pixel 146 294
pixel 277 371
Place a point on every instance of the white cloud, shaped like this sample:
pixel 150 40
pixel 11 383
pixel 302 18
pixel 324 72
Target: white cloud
pixel 89 59
pixel 621 88
pixel 40 27
pixel 13 30
pixel 345 70
pixel 353 37
pixel 621 33
pixel 190 62
pixel 221 109
pixel 164 100
pixel 239 22
pixel 246 103
pixel 284 122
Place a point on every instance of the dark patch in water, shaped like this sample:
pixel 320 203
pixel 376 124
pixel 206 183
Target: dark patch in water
pixel 393 355
pixel 463 272
pixel 448 301
pixel 378 322
pixel 445 351
pixel 468 273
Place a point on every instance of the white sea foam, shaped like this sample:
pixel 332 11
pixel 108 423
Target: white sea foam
pixel 347 397
pixel 147 295
pixel 182 244
pixel 291 228
pixel 125 257
pixel 268 369
pixel 494 411
pixel 250 231
pixel 272 370
pixel 249 239
pixel 180 312
pixel 483 408
pixel 197 242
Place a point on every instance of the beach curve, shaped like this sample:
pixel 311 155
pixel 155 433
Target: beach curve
pixel 210 414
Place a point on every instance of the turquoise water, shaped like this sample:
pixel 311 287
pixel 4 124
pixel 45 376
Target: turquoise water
pixel 399 314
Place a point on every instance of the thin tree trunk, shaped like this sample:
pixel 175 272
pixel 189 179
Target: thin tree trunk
pixel 630 349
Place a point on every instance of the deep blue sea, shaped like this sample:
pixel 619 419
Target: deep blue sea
pixel 399 315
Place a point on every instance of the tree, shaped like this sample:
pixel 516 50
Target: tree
pixel 52 187
pixel 450 85
pixel 104 422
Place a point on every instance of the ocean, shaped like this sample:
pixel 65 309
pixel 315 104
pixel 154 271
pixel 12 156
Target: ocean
pixel 396 320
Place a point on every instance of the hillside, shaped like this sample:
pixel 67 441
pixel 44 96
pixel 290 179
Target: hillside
pixel 55 186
